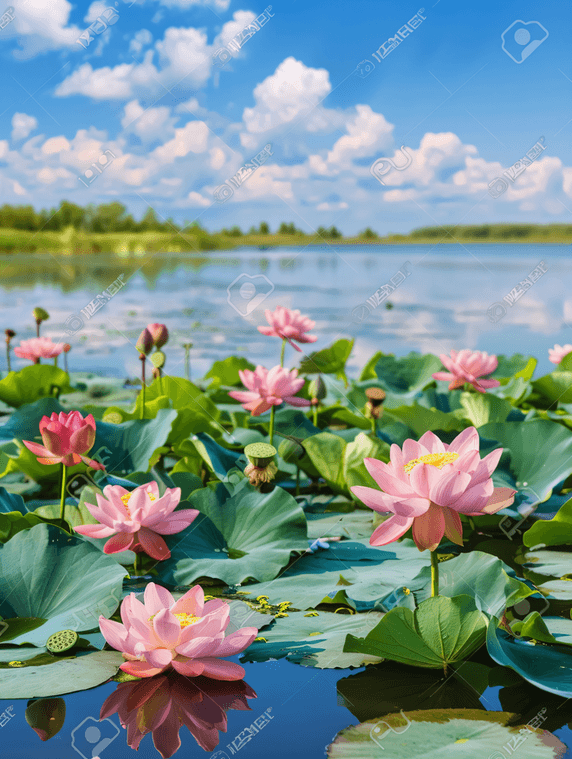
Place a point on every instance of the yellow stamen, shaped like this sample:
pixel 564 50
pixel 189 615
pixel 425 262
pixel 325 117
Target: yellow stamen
pixel 125 498
pixel 184 619
pixel 435 459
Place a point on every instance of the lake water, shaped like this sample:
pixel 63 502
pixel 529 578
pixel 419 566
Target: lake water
pixel 440 301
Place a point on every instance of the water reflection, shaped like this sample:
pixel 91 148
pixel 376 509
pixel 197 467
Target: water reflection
pixel 162 705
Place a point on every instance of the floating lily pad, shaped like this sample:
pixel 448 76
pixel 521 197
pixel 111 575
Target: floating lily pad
pixel 402 378
pixel 248 534
pixel 348 572
pixel 33 382
pixel 357 524
pixel 451 732
pixel 316 641
pixel 47 574
pixel 55 677
pixel 552 532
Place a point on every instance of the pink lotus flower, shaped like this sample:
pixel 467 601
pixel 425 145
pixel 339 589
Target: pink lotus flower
pixel 186 635
pixel 288 325
pixel 67 438
pixel 159 334
pixel 428 484
pixel 137 519
pixel 467 366
pixel 161 705
pixel 38 347
pixel 557 353
pixel 269 388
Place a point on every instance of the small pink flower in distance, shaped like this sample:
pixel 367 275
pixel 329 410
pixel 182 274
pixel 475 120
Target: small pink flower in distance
pixel 468 366
pixel 186 635
pixel 137 519
pixel 557 353
pixel 38 347
pixel 427 484
pixel 67 438
pixel 269 388
pixel 289 325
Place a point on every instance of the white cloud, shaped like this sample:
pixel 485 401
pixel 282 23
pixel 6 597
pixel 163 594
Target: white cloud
pixel 22 125
pixel 95 10
pixel 332 206
pixel 150 124
pixel 196 199
pixel 40 26
pixel 141 39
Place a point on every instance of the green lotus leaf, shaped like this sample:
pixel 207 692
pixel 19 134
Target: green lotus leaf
pixel 479 575
pixel 482 409
pixel 472 734
pixel 331 360
pixel 420 419
pixel 402 378
pixel 358 524
pixel 314 641
pixel 440 632
pixel 33 382
pixel 540 455
pixel 55 677
pixel 246 534
pixel 551 532
pixel 348 572
pixel 71 584
pixel 226 372
pixel 516 365
pixel 555 387
pixel 24 424
pixel 132 445
pixel 548 667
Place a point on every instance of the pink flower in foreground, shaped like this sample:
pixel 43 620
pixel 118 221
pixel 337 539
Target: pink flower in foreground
pixel 557 353
pixel 428 484
pixel 269 388
pixel 186 635
pixel 67 438
pixel 38 347
pixel 137 519
pixel 289 325
pixel 162 705
pixel 467 366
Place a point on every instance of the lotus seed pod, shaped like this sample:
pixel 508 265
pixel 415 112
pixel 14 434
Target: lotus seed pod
pixel 317 388
pixel 40 315
pixel 375 395
pixel 159 334
pixel 291 451
pixel 62 641
pixel 260 454
pixel 158 359
pixel 145 342
pixel 9 334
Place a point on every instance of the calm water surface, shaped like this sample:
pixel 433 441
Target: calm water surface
pixel 441 304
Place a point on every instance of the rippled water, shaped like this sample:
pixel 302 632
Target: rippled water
pixel 441 303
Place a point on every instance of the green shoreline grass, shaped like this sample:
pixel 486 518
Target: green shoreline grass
pixel 128 244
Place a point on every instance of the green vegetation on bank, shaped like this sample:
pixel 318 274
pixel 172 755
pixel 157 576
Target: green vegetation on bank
pixel 109 228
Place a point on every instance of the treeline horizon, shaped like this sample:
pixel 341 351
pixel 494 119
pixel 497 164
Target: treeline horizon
pixel 114 217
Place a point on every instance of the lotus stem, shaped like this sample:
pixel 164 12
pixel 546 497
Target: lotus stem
pixel 315 412
pixel 136 568
pixel 434 574
pixel 55 361
pixel 142 358
pixel 188 361
pixel 66 363
pixel 271 428
pixel 282 352
pixel 63 493
pixel 8 356
pixel 37 328
pixel 297 480
pixel 373 425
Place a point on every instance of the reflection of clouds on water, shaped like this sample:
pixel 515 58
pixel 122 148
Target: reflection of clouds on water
pixel 441 305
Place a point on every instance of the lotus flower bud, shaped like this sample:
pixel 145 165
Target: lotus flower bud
pixel 40 315
pixel 66 348
pixel 262 467
pixel 317 388
pixel 158 359
pixel 145 342
pixel 291 450
pixel 159 334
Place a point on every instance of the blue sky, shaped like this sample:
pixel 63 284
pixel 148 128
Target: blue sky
pixel 179 126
